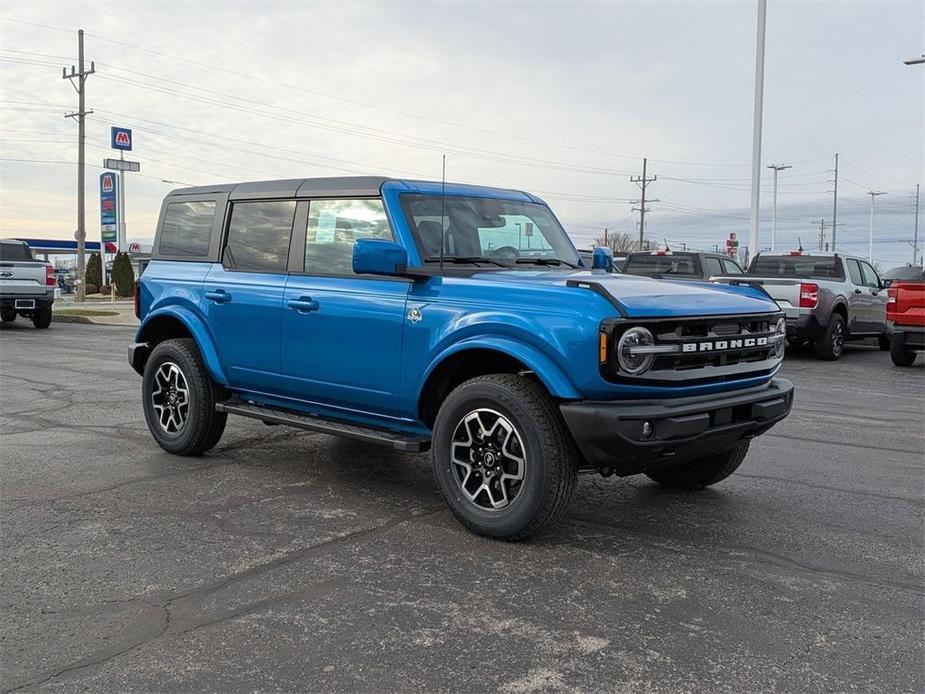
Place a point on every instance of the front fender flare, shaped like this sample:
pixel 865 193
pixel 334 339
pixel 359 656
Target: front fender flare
pixel 547 371
pixel 197 329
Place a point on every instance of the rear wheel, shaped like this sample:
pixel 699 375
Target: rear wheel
pixel 179 399
pixel 42 317
pixel 900 355
pixel 7 315
pixel 831 344
pixel 700 473
pixel 503 459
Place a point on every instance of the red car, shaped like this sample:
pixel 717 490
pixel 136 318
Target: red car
pixel 905 311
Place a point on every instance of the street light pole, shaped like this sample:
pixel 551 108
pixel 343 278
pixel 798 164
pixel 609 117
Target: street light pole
pixel 870 239
pixel 776 168
pixel 756 132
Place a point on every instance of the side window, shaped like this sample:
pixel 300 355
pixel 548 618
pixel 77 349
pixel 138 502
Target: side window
pixel 187 229
pixel 854 272
pixel 870 275
pixel 711 266
pixel 334 226
pixel 258 236
pixel 731 267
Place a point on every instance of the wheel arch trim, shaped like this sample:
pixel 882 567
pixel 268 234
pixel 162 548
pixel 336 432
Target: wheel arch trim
pixel 196 328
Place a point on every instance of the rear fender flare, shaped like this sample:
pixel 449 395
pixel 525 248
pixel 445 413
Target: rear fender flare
pixel 199 332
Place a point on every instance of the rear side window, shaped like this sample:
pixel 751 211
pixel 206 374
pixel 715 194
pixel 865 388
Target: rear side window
pixel 187 229
pixel 14 251
pixel 854 272
pixel 259 235
pixel 712 267
pixel 333 228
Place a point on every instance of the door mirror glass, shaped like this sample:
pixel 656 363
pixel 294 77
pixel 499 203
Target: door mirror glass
pixel 379 257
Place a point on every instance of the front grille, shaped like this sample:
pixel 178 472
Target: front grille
pixel 706 349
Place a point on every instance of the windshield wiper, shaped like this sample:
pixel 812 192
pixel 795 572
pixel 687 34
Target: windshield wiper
pixel 546 261
pixel 455 259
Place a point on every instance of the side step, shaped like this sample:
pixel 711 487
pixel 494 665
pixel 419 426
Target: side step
pixel 407 443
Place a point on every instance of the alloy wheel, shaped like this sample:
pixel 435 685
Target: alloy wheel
pixel 170 397
pixel 488 459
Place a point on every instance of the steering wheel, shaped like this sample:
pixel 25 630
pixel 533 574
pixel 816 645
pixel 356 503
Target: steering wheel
pixel 505 252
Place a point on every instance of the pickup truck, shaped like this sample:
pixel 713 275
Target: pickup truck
pixel 828 298
pixel 690 265
pixel 27 286
pixel 905 310
pixel 416 315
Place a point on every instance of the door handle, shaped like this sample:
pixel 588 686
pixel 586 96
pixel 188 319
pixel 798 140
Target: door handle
pixel 304 304
pixel 219 296
pixel 857 291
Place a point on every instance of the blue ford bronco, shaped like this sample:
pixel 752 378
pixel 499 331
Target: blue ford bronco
pixel 454 318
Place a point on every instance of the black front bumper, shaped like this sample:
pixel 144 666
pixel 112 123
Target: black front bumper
pixel 610 434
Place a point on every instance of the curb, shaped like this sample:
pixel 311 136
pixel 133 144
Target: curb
pixel 89 321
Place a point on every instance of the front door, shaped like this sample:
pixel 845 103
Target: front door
pixel 243 296
pixel 342 332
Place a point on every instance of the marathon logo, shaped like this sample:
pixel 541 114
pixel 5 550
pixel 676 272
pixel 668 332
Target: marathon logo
pixel 722 345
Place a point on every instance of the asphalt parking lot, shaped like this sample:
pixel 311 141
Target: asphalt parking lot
pixel 292 561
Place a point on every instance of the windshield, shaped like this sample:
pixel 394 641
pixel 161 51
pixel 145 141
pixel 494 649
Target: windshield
pixel 648 265
pixel 502 232
pixel 803 266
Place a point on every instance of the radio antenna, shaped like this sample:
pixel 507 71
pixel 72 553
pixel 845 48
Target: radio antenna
pixel 442 213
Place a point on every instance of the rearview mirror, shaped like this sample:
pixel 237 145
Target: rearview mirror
pixel 379 257
pixel 602 259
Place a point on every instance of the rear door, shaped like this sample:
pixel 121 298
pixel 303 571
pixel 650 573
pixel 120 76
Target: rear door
pixel 242 296
pixel 876 299
pixel 342 332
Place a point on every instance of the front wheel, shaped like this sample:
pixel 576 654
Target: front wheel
pixel 831 344
pixel 700 473
pixel 503 459
pixel 900 355
pixel 179 399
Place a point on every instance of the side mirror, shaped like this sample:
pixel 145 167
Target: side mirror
pixel 379 257
pixel 602 259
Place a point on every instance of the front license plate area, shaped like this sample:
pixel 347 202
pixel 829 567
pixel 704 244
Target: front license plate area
pixel 24 303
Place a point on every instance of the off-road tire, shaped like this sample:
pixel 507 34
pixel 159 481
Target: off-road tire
pixel 702 472
pixel 900 355
pixel 7 315
pixel 828 348
pixel 204 426
pixel 42 317
pixel 550 456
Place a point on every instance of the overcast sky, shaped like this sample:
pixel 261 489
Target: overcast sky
pixel 562 99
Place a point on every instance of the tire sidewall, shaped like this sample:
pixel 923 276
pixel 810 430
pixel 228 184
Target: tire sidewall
pixel 162 354
pixel 522 511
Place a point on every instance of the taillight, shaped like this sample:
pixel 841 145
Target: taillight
pixel 137 298
pixel 892 294
pixel 50 278
pixel 809 295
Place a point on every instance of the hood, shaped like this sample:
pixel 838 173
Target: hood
pixel 645 297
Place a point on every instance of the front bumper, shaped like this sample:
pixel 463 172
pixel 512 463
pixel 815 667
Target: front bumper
pixel 911 337
pixel 610 433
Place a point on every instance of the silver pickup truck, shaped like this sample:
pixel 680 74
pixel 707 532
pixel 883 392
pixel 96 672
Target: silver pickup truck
pixel 27 286
pixel 827 298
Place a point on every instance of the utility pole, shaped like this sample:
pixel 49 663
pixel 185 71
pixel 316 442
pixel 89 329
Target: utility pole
pixel 915 231
pixel 835 203
pixel 756 131
pixel 80 75
pixel 643 181
pixel 776 168
pixel 870 238
pixel 821 242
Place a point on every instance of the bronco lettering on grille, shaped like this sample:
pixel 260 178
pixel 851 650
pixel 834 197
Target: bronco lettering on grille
pixel 721 345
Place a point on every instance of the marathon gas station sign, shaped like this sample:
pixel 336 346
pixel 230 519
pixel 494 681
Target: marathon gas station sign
pixel 109 223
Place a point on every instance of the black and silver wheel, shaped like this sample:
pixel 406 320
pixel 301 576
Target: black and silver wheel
pixel 7 315
pixel 42 317
pixel 179 399
pixel 831 344
pixel 702 472
pixel 503 458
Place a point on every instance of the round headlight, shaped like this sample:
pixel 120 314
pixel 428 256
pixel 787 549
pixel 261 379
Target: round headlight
pixel 781 330
pixel 630 362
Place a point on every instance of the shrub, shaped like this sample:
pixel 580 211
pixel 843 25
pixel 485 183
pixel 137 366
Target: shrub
pixel 91 289
pixel 123 276
pixel 94 273
pixel 106 290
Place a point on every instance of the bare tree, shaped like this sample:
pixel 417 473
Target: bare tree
pixel 620 244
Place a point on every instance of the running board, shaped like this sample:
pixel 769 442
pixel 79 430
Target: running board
pixel 383 437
